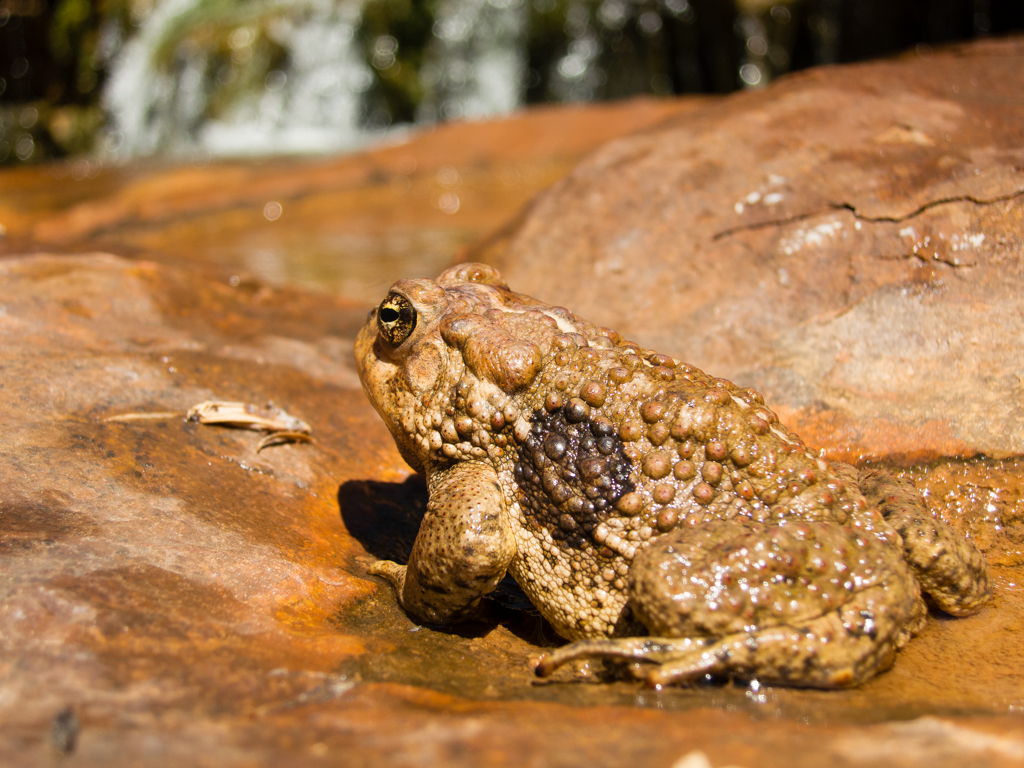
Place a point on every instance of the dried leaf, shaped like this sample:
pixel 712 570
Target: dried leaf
pixel 269 418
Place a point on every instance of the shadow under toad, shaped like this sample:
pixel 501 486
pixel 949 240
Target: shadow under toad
pixel 385 517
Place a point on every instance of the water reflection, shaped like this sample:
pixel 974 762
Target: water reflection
pixel 371 260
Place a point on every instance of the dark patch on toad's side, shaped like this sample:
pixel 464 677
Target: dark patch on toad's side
pixel 572 471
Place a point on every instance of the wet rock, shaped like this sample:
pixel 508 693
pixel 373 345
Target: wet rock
pixel 847 240
pixel 136 545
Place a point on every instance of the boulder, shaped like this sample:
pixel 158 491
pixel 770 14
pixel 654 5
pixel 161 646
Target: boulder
pixel 848 240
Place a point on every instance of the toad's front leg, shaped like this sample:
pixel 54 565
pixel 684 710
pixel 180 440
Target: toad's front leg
pixel 463 547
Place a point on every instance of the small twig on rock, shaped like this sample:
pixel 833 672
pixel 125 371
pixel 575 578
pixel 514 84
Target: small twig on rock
pixel 144 416
pixel 280 438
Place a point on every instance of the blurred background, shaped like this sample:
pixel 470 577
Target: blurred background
pixel 123 79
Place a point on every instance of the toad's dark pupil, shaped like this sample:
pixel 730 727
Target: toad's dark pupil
pixel 388 314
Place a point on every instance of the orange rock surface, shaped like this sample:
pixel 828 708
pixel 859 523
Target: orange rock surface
pixel 848 240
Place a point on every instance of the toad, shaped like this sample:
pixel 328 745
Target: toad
pixel 652 513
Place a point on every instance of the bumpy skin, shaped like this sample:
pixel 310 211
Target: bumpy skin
pixel 651 512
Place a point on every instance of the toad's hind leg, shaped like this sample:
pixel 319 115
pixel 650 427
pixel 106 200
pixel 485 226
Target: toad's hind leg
pixel 843 648
pixel 949 567
pixel 809 604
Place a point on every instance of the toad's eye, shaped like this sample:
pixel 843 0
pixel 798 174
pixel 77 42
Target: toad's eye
pixel 396 319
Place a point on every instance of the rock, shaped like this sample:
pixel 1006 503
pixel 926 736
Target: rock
pixel 170 595
pixel 175 593
pixel 848 240
pixel 137 545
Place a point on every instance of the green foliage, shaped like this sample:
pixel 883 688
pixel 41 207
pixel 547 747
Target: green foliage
pixel 394 36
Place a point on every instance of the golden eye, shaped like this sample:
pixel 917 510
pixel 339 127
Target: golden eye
pixel 396 319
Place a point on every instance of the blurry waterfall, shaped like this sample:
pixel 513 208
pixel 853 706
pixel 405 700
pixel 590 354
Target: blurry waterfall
pixel 248 77
pixel 290 76
pixel 165 86
pixel 476 65
pixel 205 78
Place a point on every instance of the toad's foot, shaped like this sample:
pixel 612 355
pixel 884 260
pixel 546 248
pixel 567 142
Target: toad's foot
pixel 644 652
pixel 392 572
pixel 843 648
pixel 951 570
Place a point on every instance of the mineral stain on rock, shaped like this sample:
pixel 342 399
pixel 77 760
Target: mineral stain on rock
pixel 40 522
pixel 64 731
